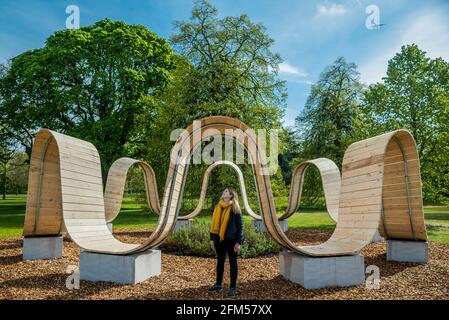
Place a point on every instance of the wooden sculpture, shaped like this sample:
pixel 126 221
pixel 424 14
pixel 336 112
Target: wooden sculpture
pixel 209 170
pixel 115 185
pixel 331 181
pixel 329 174
pixel 380 188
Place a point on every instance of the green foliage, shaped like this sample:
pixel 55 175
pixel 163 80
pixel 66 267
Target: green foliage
pixel 415 95
pixel 235 71
pixel 256 243
pixel 195 241
pixel 93 83
pixel 225 67
pixel 329 122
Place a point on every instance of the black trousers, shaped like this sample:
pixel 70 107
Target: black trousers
pixel 222 248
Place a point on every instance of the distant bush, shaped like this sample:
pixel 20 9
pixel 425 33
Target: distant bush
pixel 195 241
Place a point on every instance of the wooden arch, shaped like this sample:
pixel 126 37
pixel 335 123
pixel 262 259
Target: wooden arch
pixel 330 175
pixel 115 186
pixel 330 179
pixel 206 176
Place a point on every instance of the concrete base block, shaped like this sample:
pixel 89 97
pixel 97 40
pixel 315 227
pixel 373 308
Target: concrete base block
pixel 258 224
pixel 407 251
pixel 377 238
pixel 40 248
pixel 321 272
pixel 123 269
pixel 183 224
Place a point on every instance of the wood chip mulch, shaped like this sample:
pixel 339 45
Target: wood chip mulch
pixel 187 277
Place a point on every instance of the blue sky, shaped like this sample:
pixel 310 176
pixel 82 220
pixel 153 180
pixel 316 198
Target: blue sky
pixel 308 34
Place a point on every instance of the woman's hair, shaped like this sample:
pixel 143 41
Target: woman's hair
pixel 235 200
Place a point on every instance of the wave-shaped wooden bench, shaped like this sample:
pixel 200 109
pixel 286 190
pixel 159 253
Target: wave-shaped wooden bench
pixel 380 189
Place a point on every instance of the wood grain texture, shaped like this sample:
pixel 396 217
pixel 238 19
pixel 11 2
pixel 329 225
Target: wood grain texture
pixel 380 188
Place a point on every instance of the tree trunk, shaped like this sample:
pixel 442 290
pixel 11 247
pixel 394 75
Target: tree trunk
pixel 4 181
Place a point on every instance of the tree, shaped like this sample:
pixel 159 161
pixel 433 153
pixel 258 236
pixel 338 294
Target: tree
pixel 235 70
pixel 415 95
pixel 330 121
pixel 224 67
pixel 6 145
pixel 92 83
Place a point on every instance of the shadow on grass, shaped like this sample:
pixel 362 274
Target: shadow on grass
pixel 437 216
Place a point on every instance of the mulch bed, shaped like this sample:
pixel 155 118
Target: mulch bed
pixel 187 277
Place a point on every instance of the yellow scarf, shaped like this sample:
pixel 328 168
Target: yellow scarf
pixel 220 218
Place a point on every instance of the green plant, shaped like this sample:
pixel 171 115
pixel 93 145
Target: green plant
pixel 195 241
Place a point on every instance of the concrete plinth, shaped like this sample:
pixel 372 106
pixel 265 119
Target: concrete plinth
pixel 183 224
pixel 41 248
pixel 377 238
pixel 407 251
pixel 258 224
pixel 123 269
pixel 320 272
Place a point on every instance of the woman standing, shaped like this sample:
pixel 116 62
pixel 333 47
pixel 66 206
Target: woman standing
pixel 226 236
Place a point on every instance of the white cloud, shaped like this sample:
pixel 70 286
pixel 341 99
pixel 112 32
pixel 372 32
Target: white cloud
pixel 288 69
pixel 332 9
pixel 430 31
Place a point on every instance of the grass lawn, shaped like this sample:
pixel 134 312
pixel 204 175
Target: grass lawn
pixel 12 212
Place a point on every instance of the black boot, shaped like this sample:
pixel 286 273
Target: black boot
pixel 232 292
pixel 215 288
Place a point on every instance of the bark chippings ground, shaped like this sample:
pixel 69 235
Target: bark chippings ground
pixel 186 277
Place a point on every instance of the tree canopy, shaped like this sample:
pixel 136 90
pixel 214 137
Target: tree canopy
pixel 92 83
pixel 415 95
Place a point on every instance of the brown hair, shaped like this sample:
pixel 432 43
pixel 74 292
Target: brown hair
pixel 235 200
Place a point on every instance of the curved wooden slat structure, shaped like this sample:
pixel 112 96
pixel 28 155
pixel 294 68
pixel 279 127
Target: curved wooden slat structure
pixel 380 183
pixel 115 186
pixel 381 189
pixel 206 176
pixel 330 175
pixel 65 187
pixel 331 181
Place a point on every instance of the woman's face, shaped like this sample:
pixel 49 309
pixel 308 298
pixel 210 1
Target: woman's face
pixel 226 195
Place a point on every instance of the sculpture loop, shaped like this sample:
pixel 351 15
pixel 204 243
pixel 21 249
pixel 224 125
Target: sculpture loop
pixel 115 185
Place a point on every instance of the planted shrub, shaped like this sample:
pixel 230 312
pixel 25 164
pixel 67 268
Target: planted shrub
pixel 195 241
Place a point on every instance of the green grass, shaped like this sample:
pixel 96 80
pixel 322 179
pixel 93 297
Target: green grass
pixel 12 213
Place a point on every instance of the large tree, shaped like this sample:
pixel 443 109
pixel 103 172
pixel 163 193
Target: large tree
pixel 235 69
pixel 415 95
pixel 330 120
pixel 93 83
pixel 225 66
pixel 6 143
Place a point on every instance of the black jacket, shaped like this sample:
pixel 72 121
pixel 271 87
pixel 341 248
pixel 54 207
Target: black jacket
pixel 234 229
